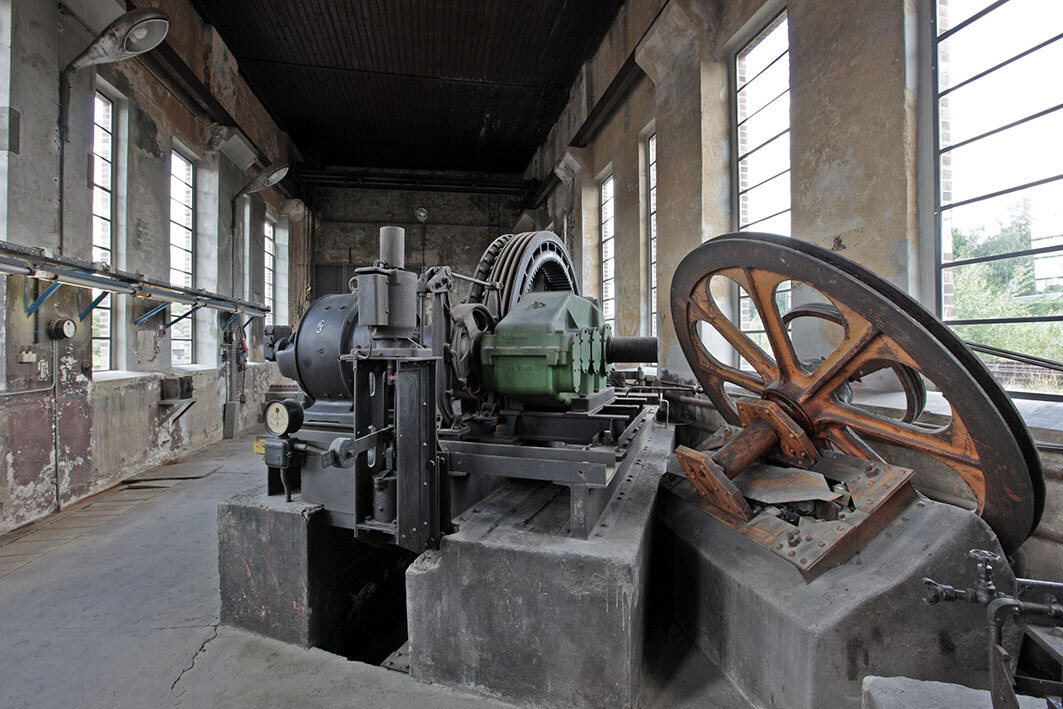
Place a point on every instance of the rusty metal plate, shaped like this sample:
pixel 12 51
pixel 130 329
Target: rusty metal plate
pixel 770 485
pixel 879 493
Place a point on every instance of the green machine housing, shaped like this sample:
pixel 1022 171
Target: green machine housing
pixel 552 346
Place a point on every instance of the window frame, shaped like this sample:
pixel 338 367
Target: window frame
pixel 269 267
pixel 935 94
pixel 738 300
pixel 111 248
pixel 191 339
pixel 608 179
pixel 651 229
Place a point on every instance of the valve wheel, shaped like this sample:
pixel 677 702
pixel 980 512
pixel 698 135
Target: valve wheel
pixel 985 442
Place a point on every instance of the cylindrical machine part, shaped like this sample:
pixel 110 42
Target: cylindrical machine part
pixel 393 246
pixel 631 349
pixel 383 498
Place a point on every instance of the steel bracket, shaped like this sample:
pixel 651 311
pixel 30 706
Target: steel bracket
pixel 33 307
pixel 150 314
pixel 181 317
pixel 92 306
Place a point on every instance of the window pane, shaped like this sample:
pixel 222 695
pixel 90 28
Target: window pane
pixel 772 120
pixel 999 35
pixel 767 162
pixel 180 191
pixel 101 171
pixel 180 260
pixel 607 249
pixel 101 202
pixel 181 352
pixel 180 168
pixel 180 214
pixel 779 224
pixel 954 12
pixel 765 88
pixel 1028 219
pixel 1006 95
pixel 764 201
pixel 180 237
pixel 101 323
pixel 1041 339
pixel 180 278
pixel 101 232
pixel 1023 286
pixel 768 45
pixel 1022 154
pixel 101 355
pixel 101 142
pixel 102 112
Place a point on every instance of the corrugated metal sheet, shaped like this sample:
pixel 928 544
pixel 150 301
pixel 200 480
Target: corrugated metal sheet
pixel 429 84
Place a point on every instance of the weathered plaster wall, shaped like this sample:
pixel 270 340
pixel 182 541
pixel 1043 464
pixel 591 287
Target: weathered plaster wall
pixel 620 150
pixel 458 229
pixel 65 433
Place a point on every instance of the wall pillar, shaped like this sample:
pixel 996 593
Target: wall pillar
pixel 853 133
pixel 693 177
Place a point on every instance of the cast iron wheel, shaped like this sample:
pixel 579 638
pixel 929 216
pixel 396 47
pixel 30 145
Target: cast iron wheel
pixel 882 328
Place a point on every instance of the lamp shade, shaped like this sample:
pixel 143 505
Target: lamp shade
pixel 135 32
pixel 273 174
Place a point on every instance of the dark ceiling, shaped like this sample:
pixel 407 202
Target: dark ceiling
pixel 469 85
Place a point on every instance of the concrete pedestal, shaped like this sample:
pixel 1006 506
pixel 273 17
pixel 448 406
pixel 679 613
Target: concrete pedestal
pixel 513 607
pixel 287 575
pixel 893 692
pixel 787 643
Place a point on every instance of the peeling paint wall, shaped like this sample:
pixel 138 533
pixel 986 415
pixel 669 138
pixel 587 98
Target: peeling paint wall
pixel 66 432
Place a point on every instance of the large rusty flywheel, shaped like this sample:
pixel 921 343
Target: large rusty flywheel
pixel 816 323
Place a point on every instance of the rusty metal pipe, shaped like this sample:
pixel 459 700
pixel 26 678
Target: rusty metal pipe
pixel 745 448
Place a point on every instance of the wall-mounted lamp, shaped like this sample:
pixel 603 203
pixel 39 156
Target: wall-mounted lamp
pixel 270 176
pixel 135 32
pixel 273 174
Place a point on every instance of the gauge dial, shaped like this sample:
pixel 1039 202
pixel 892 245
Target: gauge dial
pixel 283 417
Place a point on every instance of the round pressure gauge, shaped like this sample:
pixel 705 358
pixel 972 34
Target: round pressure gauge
pixel 283 417
pixel 62 329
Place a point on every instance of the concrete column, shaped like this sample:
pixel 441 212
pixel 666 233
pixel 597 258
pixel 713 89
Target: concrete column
pixel 853 132
pixel 582 209
pixel 693 176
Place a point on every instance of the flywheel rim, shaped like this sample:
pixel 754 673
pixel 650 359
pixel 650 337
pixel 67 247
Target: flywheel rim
pixel 1009 490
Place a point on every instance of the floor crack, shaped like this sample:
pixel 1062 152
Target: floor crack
pixel 192 663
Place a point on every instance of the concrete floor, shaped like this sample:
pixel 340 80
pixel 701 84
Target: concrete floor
pixel 114 603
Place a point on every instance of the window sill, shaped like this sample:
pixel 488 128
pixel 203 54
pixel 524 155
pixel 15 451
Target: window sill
pixel 113 375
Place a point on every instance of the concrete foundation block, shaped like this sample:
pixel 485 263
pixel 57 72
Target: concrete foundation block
pixel 894 692
pixel 285 574
pixel 513 607
pixel 785 642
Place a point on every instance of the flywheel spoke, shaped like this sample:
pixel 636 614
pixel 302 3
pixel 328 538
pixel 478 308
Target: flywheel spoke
pixel 851 444
pixel 950 445
pixel 760 286
pixel 703 308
